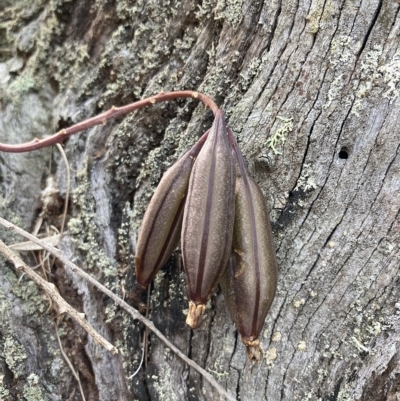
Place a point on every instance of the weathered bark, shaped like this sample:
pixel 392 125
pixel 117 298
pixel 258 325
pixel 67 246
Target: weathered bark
pixel 315 81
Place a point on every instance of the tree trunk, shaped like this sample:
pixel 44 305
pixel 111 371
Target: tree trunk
pixel 311 90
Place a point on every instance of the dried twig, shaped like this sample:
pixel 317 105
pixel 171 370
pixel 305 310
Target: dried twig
pixel 133 312
pixel 51 291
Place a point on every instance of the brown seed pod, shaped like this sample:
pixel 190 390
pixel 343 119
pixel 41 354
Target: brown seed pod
pixel 250 281
pixel 160 230
pixel 208 219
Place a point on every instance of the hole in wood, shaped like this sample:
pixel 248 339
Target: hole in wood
pixel 344 153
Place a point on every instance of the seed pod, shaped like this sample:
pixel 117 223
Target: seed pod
pixel 208 219
pixel 160 230
pixel 250 281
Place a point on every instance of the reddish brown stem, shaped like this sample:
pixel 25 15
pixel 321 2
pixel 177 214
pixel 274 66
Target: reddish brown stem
pixel 102 118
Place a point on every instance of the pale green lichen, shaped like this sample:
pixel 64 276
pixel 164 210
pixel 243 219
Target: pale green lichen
pixel 13 18
pixel 322 374
pixel 209 9
pixel 73 62
pixel 162 385
pixel 314 16
pixel 6 212
pixel 11 89
pixel 366 325
pixel 11 350
pixel 359 345
pixel 369 65
pixel 235 95
pixel 391 76
pixel 320 13
pixel 14 355
pixel 334 90
pixel 368 75
pixel 4 393
pixel 279 136
pixel 342 55
pixel 342 50
pixel 157 285
pixel 232 12
pixel 251 71
pixel 306 180
pixel 228 10
pixel 85 232
pixel 345 392
pixel 22 84
pixel 219 370
pixel 23 297
pixel 128 60
pixel 131 64
pixel 4 309
pixel 32 390
pixel 302 346
pixel 35 300
pixel 111 312
pixel 215 81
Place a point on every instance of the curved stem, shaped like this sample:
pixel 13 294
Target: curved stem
pixel 102 118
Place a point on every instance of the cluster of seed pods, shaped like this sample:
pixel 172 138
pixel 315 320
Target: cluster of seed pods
pixel 209 201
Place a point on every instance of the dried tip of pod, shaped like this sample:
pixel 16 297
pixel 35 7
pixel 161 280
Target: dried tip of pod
pixel 195 315
pixel 253 349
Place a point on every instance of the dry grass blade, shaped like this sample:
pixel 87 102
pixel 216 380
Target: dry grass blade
pixel 140 365
pixel 31 246
pixel 67 169
pixel 53 294
pixel 133 312
pixel 69 363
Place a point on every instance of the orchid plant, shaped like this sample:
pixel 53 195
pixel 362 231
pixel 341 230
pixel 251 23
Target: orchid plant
pixel 208 200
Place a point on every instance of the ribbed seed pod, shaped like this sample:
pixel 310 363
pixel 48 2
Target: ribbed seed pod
pixel 208 219
pixel 160 230
pixel 250 281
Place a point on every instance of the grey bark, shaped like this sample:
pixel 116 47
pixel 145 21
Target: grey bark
pixel 316 81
